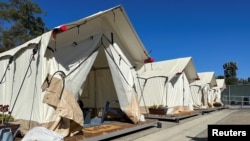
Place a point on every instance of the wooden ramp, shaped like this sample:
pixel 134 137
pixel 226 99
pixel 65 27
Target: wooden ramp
pixel 112 129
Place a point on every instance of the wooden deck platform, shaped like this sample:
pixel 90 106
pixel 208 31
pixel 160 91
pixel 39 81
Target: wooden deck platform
pixel 175 117
pixel 109 130
pixel 208 110
pixel 112 129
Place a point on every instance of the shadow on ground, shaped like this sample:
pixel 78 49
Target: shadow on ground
pixel 197 138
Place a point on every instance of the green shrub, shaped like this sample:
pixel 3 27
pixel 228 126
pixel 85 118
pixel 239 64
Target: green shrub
pixel 6 117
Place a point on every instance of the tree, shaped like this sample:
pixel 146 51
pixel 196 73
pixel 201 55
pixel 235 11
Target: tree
pixel 230 73
pixel 231 81
pixel 242 81
pixel 230 69
pixel 220 77
pixel 19 22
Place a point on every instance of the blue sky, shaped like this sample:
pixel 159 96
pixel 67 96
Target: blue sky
pixel 212 32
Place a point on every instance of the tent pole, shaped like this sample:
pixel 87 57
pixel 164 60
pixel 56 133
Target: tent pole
pixel 95 92
pixel 183 90
pixel 143 95
pixel 7 68
pixel 31 59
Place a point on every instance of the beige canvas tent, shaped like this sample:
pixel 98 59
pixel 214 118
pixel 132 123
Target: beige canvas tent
pixel 201 90
pixel 93 59
pixel 221 86
pixel 166 83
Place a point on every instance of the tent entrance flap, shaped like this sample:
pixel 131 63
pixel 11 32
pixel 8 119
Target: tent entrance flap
pixel 110 78
pixel 98 87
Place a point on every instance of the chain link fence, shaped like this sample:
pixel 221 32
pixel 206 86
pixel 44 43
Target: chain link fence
pixel 236 101
pixel 236 96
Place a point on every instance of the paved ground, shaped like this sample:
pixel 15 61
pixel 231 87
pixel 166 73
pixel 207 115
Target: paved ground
pixel 236 117
pixel 189 129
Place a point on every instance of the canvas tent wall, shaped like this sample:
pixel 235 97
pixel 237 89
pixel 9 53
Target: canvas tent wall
pixel 202 89
pixel 94 59
pixel 167 83
pixel 221 86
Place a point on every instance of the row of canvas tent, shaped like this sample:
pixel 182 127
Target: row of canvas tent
pixel 95 59
pixel 175 85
